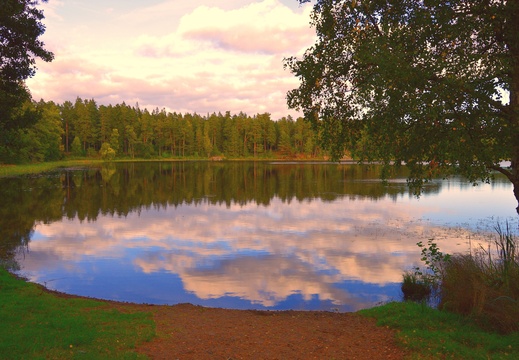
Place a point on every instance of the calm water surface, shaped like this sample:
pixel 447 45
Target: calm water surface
pixel 237 235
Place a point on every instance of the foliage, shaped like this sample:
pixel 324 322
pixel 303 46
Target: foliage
pixel 13 138
pixel 434 260
pixel 420 83
pixel 77 150
pixel 106 152
pixel 40 139
pixel 20 28
pixel 421 283
pixel 508 254
pixel 114 141
pixel 433 334
pixel 84 126
pixel 485 284
pixel 415 287
pixel 79 194
pixel 37 324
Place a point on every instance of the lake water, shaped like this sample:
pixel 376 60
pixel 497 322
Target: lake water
pixel 237 235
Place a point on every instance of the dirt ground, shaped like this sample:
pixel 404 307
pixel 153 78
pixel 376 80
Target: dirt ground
pixel 192 332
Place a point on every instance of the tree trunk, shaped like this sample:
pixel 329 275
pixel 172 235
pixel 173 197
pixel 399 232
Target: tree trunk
pixel 513 44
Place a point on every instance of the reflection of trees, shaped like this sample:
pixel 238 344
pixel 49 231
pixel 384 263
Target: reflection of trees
pixel 25 201
pixel 122 188
pixel 142 185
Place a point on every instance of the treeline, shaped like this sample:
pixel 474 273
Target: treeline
pixel 83 128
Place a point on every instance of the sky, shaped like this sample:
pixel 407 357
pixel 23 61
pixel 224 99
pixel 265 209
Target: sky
pixel 184 56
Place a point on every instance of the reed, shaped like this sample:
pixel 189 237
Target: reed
pixel 485 283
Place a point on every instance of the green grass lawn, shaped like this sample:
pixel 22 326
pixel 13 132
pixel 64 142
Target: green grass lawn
pixel 39 325
pixel 434 334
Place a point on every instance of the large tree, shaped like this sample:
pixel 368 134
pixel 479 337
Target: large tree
pixel 20 29
pixel 432 84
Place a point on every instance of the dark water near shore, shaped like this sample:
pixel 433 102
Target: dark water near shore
pixel 237 235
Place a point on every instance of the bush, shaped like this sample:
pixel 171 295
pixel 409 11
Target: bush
pixel 483 285
pixel 423 284
pixel 415 287
pixel 106 152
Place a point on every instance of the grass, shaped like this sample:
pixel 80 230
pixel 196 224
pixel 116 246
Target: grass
pixel 15 170
pixel 435 334
pixel 482 285
pixel 39 325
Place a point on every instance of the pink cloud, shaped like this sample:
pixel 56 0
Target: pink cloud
pixel 200 66
pixel 267 41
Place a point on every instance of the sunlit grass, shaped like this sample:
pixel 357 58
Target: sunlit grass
pixel 434 334
pixel 15 170
pixel 39 325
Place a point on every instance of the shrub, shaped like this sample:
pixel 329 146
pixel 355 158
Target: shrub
pixel 415 287
pixel 485 284
pixel 424 283
pixel 106 152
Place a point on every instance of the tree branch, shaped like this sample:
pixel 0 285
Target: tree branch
pixel 503 171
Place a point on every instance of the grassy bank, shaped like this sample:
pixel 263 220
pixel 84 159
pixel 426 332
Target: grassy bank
pixel 40 325
pixel 434 334
pixel 15 170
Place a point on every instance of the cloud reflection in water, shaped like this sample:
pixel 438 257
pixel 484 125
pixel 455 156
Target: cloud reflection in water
pixel 349 253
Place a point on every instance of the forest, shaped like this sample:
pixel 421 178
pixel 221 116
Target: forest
pixel 84 128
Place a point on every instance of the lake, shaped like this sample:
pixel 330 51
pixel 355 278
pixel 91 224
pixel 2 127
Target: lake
pixel 241 235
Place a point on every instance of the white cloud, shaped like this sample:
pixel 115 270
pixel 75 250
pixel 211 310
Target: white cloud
pixel 266 27
pixel 183 56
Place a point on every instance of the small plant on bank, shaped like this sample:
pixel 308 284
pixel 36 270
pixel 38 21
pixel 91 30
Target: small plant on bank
pixel 415 287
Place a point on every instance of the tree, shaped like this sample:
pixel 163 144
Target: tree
pixel 106 152
pixel 131 138
pixel 68 115
pixel 20 28
pixel 206 138
pixel 430 84
pixel 286 127
pixel 114 141
pixel 231 137
pixel 77 149
pixel 86 121
pixel 48 131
